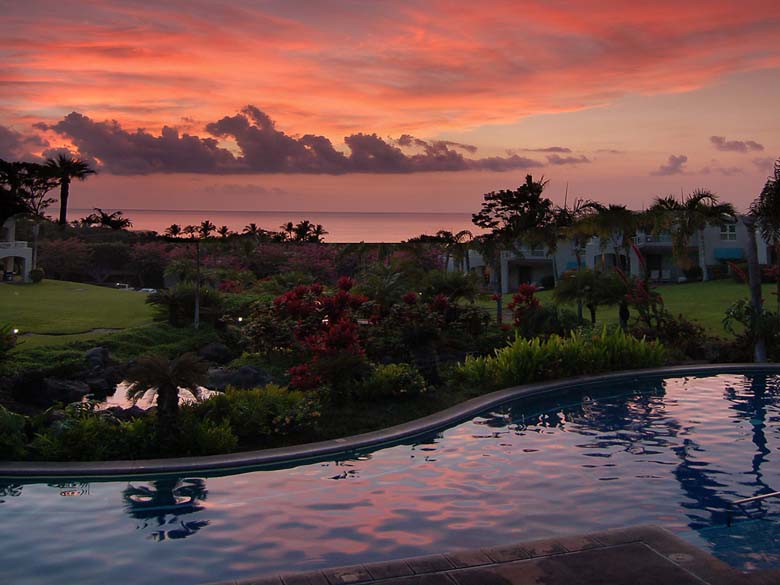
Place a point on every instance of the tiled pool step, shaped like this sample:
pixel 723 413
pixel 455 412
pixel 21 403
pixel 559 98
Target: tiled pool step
pixel 645 555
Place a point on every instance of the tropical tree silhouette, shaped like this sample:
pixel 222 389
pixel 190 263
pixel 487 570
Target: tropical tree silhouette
pixel 686 218
pixel 173 231
pixel 66 168
pixel 615 225
pixel 158 375
pixel 223 231
pixel 114 221
pixel 514 217
pixel 206 228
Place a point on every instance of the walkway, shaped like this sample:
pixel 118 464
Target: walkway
pixel 644 555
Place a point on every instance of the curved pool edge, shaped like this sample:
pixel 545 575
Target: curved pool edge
pixel 311 451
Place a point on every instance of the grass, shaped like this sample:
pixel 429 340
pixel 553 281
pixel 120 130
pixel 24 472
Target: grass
pixel 702 302
pixel 56 312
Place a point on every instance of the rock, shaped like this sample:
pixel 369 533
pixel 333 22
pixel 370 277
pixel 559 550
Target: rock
pixel 101 386
pixel 244 377
pixel 97 358
pixel 126 414
pixel 55 415
pixel 216 352
pixel 66 391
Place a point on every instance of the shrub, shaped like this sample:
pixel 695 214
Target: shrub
pixel 203 436
pixel 694 273
pixel 394 380
pixel 531 319
pixel 261 412
pixel 532 360
pixel 12 435
pixel 7 341
pixel 683 339
pixel 37 275
pixel 83 435
pixel 177 305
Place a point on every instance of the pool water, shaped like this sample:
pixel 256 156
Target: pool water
pixel 673 452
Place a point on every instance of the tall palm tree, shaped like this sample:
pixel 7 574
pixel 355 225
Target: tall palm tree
pixel 223 231
pixel 766 210
pixel 461 252
pixel 66 168
pixel 616 225
pixel 163 377
pixel 687 217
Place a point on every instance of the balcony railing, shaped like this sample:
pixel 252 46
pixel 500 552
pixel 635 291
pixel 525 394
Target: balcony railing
pixel 653 239
pixel 17 244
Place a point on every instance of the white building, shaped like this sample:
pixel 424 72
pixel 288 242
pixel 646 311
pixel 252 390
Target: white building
pixel 713 249
pixel 14 253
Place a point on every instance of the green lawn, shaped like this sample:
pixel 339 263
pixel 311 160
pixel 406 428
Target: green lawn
pixel 703 302
pixel 58 312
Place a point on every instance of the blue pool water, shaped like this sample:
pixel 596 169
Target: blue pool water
pixel 672 452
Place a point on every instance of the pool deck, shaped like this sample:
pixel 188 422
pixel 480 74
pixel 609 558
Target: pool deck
pixel 644 555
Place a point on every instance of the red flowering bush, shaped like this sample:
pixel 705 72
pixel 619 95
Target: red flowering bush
pixel 523 302
pixel 320 332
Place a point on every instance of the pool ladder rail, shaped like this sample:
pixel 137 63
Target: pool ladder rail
pixel 744 501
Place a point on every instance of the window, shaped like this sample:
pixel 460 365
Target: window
pixel 728 232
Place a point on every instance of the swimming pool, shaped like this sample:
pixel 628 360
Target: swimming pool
pixel 671 451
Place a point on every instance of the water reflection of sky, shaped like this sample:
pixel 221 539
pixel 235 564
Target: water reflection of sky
pixel 672 453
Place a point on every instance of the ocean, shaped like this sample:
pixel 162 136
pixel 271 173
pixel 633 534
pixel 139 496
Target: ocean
pixel 342 226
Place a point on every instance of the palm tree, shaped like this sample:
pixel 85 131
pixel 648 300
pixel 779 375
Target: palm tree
pixel 616 225
pixel 206 228
pixel 576 223
pixel 766 210
pixel 688 217
pixel 288 229
pixel 163 377
pixel 251 229
pixel 317 233
pixel 447 238
pixel 114 221
pixel 173 231
pixel 66 168
pixel 223 231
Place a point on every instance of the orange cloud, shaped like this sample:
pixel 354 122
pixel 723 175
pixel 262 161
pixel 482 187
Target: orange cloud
pixel 392 68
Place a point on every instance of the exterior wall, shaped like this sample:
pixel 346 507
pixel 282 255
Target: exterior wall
pixel 11 250
pixel 533 265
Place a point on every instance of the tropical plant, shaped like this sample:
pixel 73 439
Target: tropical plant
pixel 512 218
pixel 531 360
pixel 262 413
pixel 66 168
pixel 393 381
pixel 115 220
pixel 173 231
pixel 164 377
pixel 686 218
pixel 223 232
pixel 591 288
pixel 615 225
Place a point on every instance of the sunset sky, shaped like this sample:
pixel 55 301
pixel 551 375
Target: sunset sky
pixel 392 106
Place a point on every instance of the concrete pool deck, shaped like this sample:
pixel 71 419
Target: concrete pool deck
pixel 644 555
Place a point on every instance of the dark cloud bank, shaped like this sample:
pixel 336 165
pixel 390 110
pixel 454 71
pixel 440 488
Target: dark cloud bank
pixel 262 148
